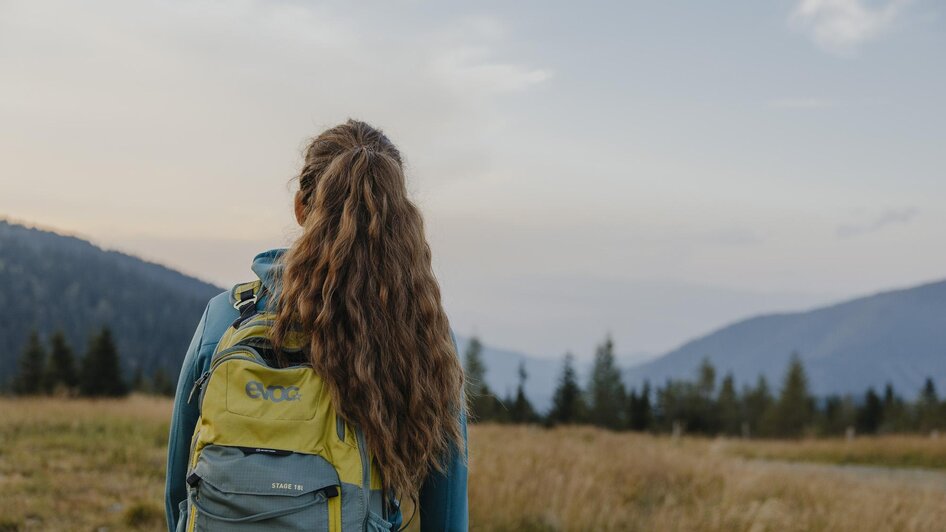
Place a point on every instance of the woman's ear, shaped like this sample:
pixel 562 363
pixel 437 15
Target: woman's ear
pixel 299 205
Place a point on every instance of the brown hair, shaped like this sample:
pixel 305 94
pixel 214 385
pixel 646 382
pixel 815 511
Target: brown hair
pixel 359 286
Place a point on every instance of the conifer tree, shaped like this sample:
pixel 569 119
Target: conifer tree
pixel 474 369
pixel 728 407
pixel 101 371
pixel 928 407
pixel 758 404
pixel 567 403
pixel 606 394
pixel 793 412
pixel 890 397
pixel 894 411
pixel 828 417
pixel 706 382
pixel 640 412
pixel 703 415
pixel 522 411
pixel 870 414
pixel 61 370
pixel 483 404
pixel 30 379
pixel 929 394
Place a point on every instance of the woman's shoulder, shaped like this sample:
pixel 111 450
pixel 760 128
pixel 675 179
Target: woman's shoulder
pixel 218 316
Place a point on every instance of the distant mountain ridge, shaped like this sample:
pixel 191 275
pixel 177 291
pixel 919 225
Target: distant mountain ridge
pixel 50 282
pixel 898 336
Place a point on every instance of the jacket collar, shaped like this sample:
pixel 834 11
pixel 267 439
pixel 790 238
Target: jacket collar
pixel 267 267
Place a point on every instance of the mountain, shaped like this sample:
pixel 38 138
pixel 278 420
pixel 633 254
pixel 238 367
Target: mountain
pixel 50 282
pixel 897 336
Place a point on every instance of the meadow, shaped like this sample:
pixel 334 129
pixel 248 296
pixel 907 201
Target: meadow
pixel 99 465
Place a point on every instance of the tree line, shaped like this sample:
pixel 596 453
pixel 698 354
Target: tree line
pixel 704 405
pixel 97 373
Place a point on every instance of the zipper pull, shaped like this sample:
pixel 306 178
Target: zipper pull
pixel 198 384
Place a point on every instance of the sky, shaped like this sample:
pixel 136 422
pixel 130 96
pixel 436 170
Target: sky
pixel 649 170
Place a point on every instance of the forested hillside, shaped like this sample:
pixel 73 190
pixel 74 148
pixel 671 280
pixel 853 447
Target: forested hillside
pixel 51 282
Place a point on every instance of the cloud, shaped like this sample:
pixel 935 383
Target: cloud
pixel 228 91
pixel 800 103
pixel 841 25
pixel 889 217
pixel 471 68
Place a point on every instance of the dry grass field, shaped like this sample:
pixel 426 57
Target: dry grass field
pixel 81 464
pixel 98 465
pixel 587 479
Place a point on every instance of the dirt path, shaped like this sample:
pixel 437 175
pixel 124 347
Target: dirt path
pixel 933 478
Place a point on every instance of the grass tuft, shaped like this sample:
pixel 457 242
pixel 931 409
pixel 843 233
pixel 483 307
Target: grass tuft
pixel 142 514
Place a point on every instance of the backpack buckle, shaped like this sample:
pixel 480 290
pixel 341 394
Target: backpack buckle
pixel 239 304
pixel 246 306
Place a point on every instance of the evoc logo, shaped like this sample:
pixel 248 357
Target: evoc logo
pixel 274 393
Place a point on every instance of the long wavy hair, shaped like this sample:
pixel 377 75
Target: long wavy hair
pixel 358 285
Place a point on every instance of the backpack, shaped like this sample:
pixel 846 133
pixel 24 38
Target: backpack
pixel 269 451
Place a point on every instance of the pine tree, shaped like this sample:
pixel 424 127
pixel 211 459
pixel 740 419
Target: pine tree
pixel 30 380
pixel 758 404
pixel 61 370
pixel 706 382
pixel 606 394
pixel 567 403
pixel 483 404
pixel 793 412
pixel 640 413
pixel 522 411
pixel 702 414
pixel 728 407
pixel 890 397
pixel 870 414
pixel 894 411
pixel 929 396
pixel 101 371
pixel 474 368
pixel 670 405
pixel 928 407
pixel 828 417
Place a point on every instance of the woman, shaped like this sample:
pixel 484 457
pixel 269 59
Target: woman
pixel 358 287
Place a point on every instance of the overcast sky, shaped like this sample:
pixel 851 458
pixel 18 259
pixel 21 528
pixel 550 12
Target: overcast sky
pixel 649 169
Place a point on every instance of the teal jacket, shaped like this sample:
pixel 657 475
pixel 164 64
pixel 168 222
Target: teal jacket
pixel 443 497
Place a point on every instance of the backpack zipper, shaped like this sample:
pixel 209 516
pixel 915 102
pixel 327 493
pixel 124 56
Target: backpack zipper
pixel 198 384
pixel 237 352
pixel 223 356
